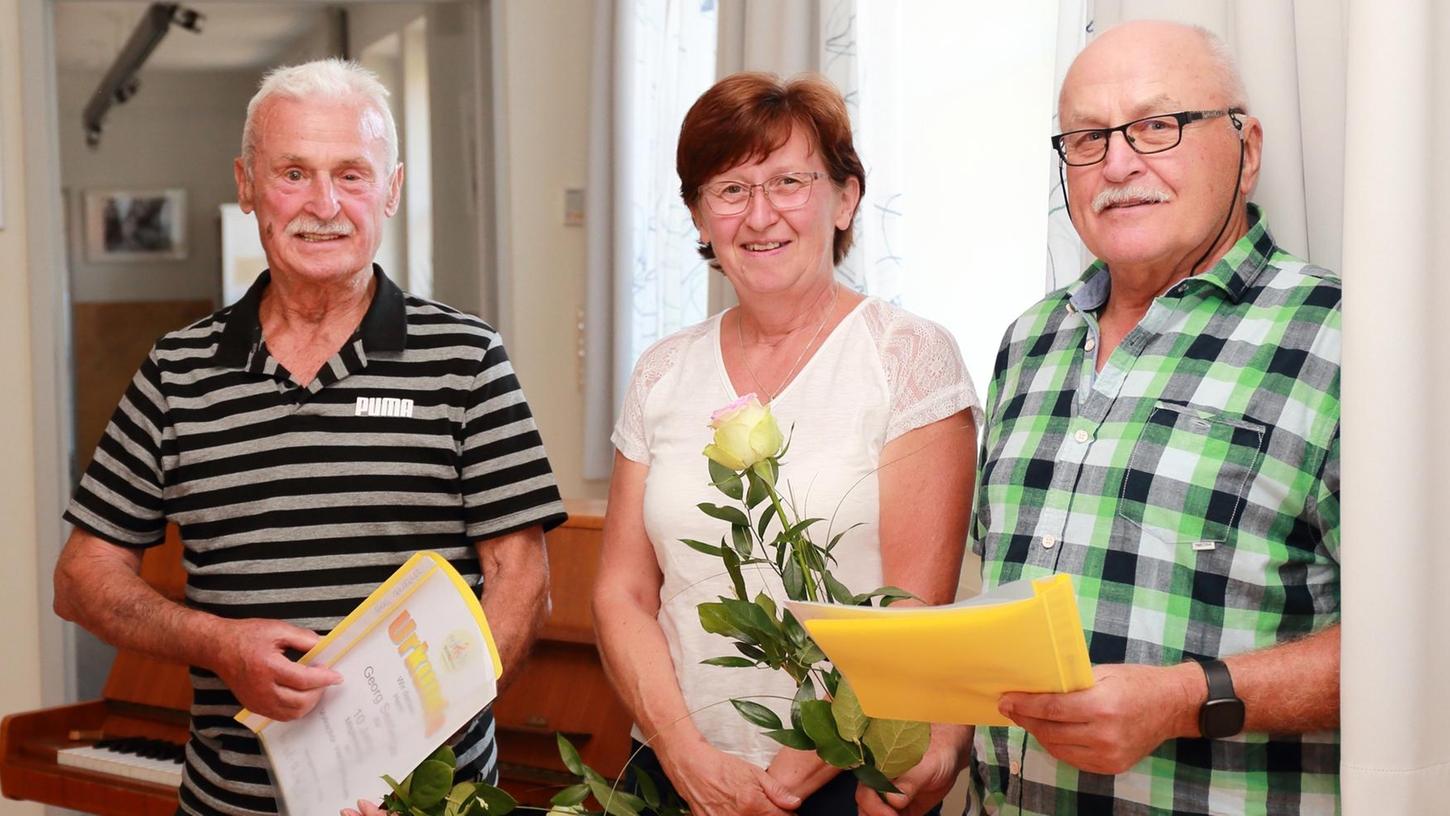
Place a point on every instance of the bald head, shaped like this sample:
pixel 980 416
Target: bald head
pixel 1153 210
pixel 1202 64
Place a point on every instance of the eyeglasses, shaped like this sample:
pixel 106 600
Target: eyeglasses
pixel 1151 134
pixel 786 191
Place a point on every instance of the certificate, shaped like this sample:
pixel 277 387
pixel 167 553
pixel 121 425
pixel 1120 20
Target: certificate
pixel 418 662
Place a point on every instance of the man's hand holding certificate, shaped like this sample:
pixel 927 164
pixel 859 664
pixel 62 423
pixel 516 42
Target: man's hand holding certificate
pixel 418 662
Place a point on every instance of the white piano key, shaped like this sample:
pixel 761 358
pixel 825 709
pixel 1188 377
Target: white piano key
pixel 160 771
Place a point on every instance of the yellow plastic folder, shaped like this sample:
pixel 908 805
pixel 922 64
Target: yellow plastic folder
pixel 952 663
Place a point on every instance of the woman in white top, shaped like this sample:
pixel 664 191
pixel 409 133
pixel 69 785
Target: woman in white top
pixel 882 412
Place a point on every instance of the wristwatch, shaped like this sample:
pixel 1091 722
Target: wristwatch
pixel 1222 715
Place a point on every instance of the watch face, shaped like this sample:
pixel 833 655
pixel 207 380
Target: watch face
pixel 1221 718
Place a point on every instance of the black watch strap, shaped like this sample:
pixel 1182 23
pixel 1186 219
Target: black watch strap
pixel 1222 715
pixel 1220 682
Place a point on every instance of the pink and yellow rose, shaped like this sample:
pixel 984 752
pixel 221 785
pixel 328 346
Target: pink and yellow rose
pixel 745 433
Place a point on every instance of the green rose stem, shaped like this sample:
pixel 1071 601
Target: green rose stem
pixel 797 547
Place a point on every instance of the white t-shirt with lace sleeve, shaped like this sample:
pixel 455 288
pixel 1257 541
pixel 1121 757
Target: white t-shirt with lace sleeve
pixel 880 373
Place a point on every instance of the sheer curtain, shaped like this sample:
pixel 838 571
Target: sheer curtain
pixel 652 59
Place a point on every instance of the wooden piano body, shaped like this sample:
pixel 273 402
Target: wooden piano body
pixel 561 688
pixel 143 697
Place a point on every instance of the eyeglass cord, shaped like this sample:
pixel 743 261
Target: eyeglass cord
pixel 1238 178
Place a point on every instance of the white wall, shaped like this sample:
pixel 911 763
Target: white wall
pixel 544 118
pixel 20 682
pixel 181 130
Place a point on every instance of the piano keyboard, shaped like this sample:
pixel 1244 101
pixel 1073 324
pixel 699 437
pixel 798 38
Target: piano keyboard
pixel 146 760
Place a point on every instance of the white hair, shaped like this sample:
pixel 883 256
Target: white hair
pixel 1226 65
pixel 327 79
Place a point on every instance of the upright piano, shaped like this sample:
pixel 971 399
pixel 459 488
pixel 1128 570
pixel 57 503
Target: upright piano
pixel 143 697
pixel 560 688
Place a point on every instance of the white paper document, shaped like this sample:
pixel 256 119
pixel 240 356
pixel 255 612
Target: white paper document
pixel 418 662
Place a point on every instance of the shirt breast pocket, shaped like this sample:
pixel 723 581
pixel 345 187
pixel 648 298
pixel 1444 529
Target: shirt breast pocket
pixel 1189 472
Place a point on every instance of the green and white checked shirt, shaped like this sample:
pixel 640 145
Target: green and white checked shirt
pixel 1191 488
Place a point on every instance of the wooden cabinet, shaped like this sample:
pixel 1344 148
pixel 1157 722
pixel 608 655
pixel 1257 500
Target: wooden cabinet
pixel 561 688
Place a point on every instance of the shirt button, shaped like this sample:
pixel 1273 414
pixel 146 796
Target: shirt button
pixel 1015 767
pixel 1081 436
pixel 1048 542
pixel 1090 344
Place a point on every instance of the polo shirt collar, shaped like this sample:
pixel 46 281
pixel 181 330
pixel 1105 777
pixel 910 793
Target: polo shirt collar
pixel 384 327
pixel 1233 274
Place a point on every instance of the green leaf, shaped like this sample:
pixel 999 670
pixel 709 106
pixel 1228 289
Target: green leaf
pixel 846 709
pixel 820 726
pixel 752 621
pixel 732 568
pixel 838 590
pixel 757 714
pixel 570 755
pixel 700 546
pixel 800 527
pixel 896 745
pixel 648 790
pixel 887 594
pixel 751 651
pixel 805 692
pixel 874 779
pixel 460 792
pixel 570 796
pixel 715 619
pixel 756 492
pixel 833 682
pixel 730 514
pixel 399 789
pixel 815 556
pixel 791 738
pixel 497 800
pixel 744 544
pixel 766 603
pixel 729 662
pixel 767 470
pixel 445 755
pixel 794 580
pixel 431 782
pixel 764 521
pixel 615 802
pixel 727 480
pixel 836 539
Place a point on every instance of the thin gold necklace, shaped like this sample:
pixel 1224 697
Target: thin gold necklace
pixel 744 356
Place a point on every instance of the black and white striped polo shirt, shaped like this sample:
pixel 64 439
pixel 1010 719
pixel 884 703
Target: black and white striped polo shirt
pixel 295 501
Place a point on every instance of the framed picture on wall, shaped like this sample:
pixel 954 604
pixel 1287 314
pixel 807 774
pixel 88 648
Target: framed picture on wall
pixel 135 225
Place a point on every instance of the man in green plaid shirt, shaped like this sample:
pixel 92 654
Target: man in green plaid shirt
pixel 1166 430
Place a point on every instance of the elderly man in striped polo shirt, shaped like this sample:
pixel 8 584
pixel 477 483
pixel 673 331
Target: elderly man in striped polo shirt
pixel 1166 430
pixel 307 440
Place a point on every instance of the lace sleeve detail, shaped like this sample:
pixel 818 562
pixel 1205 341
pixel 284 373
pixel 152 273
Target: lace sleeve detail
pixel 630 435
pixel 924 371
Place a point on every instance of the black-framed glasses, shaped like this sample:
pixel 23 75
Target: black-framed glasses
pixel 787 191
pixel 1151 134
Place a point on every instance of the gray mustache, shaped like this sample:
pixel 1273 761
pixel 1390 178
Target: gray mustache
pixel 312 226
pixel 1125 195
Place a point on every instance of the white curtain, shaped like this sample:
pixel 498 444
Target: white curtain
pixel 829 37
pixel 1396 665
pixel 652 59
pixel 1353 96
pixel 1292 58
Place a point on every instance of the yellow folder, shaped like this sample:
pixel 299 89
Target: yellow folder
pixel 952 663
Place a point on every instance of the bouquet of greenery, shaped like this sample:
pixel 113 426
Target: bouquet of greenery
pixel 745 459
